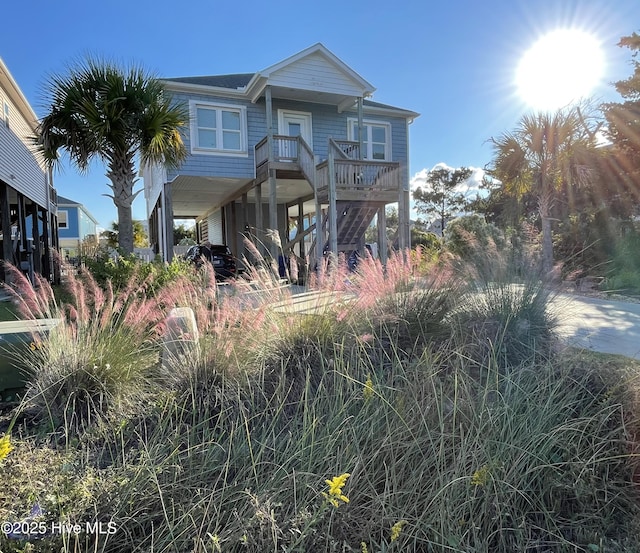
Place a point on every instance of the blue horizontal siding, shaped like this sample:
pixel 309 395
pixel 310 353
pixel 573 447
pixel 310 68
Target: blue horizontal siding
pixel 72 230
pixel 327 123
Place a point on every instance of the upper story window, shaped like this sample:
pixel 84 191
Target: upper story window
pixel 218 129
pixel 62 219
pixel 376 139
pixel 6 114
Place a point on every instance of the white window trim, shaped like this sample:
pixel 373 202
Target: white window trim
pixel 352 122
pixel 195 149
pixel 305 115
pixel 66 219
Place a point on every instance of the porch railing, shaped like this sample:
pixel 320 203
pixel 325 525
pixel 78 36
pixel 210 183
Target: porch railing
pixel 349 148
pixel 262 151
pixel 359 175
pixel 307 161
pixel 285 148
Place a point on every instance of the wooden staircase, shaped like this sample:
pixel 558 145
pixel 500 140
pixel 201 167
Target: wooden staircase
pixel 354 189
pixel 353 219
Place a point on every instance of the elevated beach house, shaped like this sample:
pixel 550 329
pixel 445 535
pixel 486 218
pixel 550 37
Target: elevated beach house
pixel 28 229
pixel 297 147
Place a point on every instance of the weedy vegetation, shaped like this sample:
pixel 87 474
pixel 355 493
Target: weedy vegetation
pixel 425 408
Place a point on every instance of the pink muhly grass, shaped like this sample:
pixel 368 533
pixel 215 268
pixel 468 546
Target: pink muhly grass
pixel 293 264
pixel 32 303
pixel 274 236
pixel 251 247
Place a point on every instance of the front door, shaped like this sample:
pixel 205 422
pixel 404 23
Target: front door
pixel 293 123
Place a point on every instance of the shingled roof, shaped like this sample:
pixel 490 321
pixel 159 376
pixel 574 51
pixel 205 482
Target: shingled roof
pixel 234 81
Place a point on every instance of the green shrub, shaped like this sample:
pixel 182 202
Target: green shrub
pixel 121 270
pixel 624 275
pixel 467 235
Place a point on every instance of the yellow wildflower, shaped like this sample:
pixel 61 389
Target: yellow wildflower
pixel 363 547
pixel 396 529
pixel 335 489
pixel 215 541
pixel 481 476
pixel 5 446
pixel 367 393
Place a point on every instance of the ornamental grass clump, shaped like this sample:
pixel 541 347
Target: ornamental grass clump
pixel 246 442
pixel 98 355
pixel 504 313
pixel 406 301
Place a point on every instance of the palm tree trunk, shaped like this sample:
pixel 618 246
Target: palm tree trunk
pixel 545 200
pixel 122 176
pixel 125 228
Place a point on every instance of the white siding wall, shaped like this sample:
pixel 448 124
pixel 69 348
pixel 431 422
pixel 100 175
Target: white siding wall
pixel 214 221
pixel 20 166
pixel 314 72
pixel 154 176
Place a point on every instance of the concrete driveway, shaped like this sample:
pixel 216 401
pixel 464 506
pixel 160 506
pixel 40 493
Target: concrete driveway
pixel 600 325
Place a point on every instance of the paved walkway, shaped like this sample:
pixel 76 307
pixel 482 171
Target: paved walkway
pixel 600 325
pixel 603 325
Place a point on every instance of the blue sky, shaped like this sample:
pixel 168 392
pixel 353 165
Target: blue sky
pixel 453 61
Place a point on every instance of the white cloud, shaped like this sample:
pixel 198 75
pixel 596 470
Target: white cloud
pixel 469 188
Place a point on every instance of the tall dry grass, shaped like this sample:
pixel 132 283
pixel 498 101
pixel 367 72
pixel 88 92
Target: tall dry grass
pixel 449 443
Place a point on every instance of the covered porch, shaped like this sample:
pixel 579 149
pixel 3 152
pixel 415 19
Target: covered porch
pixel 28 234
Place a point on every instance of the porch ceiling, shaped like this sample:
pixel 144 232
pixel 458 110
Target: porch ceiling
pixel 195 196
pixel 287 190
pixel 314 96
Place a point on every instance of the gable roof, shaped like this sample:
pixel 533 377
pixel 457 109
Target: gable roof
pixel 66 202
pixel 234 81
pixel 313 70
pixel 314 74
pixel 301 72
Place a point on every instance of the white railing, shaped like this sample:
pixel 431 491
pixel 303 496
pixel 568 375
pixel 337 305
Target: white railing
pixel 287 149
pixel 349 148
pixel 360 175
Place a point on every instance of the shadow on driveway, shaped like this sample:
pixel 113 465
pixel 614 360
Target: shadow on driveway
pixel 600 325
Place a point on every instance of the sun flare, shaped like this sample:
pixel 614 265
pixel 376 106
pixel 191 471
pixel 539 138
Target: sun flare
pixel 560 68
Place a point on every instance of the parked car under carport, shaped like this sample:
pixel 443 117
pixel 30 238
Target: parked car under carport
pixel 219 255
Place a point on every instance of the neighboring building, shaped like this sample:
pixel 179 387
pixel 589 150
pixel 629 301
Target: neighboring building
pixel 77 228
pixel 283 147
pixel 27 198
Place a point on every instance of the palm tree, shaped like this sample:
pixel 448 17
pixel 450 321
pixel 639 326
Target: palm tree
pixel 545 152
pixel 118 115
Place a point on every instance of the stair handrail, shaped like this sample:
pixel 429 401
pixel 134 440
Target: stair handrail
pixel 307 162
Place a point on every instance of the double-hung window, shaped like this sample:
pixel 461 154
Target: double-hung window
pixel 218 129
pixel 376 139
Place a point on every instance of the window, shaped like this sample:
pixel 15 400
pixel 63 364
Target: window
pixel 218 129
pixel 376 139
pixel 6 114
pixel 62 219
